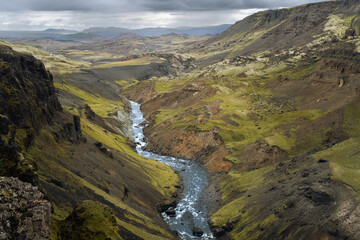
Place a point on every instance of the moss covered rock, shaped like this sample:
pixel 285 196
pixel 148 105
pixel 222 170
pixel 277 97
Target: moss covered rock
pixel 90 220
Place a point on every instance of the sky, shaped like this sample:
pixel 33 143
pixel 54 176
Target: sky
pixel 36 15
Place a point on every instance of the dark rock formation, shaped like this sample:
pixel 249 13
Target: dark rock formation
pixel 197 231
pixel 104 149
pixel 27 93
pixel 24 213
pixel 175 65
pixel 171 212
pixel 14 164
pixel 162 207
pixel 71 130
pixel 350 32
pixel 89 113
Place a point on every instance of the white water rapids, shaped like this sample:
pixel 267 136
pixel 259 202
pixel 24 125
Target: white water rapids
pixel 190 212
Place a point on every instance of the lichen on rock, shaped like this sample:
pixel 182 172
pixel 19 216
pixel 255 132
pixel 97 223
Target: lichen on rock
pixel 24 213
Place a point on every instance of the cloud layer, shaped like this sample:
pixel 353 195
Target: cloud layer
pixel 80 14
pixel 144 5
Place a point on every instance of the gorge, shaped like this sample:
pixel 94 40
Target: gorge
pixel 252 133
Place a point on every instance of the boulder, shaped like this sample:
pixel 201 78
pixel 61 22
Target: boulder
pixel 198 232
pixel 350 32
pixel 104 149
pixel 163 206
pixel 218 232
pixel 170 212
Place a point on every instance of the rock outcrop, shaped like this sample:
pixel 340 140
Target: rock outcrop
pixel 27 93
pixel 24 213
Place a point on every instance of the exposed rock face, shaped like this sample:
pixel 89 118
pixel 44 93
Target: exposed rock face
pixel 14 164
pixel 350 32
pixel 175 65
pixel 27 102
pixel 27 93
pixel 24 213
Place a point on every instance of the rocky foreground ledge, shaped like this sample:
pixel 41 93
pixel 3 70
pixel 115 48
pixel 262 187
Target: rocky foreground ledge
pixel 24 213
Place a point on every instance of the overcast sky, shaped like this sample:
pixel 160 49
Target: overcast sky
pixel 80 14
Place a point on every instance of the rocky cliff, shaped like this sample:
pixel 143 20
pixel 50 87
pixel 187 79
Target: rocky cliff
pixel 27 92
pixel 72 156
pixel 25 214
pixel 28 100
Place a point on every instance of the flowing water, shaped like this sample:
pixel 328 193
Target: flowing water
pixel 190 212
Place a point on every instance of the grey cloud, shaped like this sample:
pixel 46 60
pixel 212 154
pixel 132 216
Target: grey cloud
pixel 212 5
pixel 66 5
pixel 139 5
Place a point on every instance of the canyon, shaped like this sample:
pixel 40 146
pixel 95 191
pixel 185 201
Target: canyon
pixel 267 112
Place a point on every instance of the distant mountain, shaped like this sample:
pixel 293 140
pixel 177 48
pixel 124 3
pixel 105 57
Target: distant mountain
pixel 155 32
pixel 198 31
pixel 79 37
pixel 108 31
pixel 59 31
pixel 28 34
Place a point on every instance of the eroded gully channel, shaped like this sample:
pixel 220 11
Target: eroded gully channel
pixel 190 212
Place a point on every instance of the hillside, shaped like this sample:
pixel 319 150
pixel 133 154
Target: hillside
pixel 292 29
pixel 271 112
pixel 82 162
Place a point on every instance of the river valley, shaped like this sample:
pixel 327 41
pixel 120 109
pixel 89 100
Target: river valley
pixel 190 212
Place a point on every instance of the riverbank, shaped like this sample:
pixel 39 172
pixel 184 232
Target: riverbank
pixel 189 217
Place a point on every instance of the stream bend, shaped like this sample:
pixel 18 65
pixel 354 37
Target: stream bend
pixel 190 212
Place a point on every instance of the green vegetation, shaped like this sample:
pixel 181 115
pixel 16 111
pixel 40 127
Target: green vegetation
pixel 337 25
pixel 47 148
pixel 58 64
pixel 345 162
pixel 160 176
pixel 248 112
pixel 357 44
pixel 125 85
pixel 239 211
pixel 236 182
pixel 163 85
pixel 132 62
pixel 351 124
pixel 101 106
pixel 90 220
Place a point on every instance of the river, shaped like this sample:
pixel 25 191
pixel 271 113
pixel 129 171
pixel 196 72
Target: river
pixel 190 212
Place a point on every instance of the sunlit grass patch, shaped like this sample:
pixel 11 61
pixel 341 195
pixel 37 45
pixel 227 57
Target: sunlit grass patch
pixel 56 63
pixel 239 210
pixel 132 62
pixel 345 162
pixel 101 106
pixel 160 176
